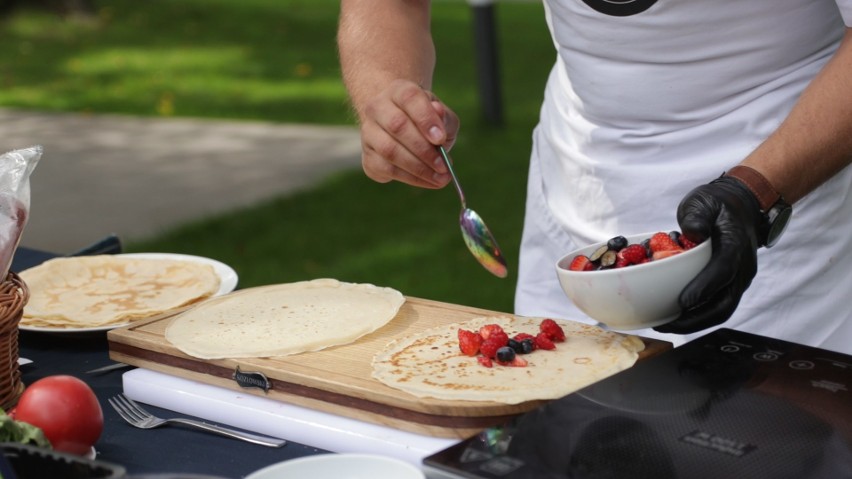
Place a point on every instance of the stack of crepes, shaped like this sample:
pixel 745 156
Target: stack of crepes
pixel 105 290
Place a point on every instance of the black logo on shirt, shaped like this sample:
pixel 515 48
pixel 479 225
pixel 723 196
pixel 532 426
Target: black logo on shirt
pixel 620 8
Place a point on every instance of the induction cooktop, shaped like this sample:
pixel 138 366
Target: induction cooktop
pixel 727 405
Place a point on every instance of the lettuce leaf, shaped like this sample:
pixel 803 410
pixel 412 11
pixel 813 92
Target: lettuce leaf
pixel 21 432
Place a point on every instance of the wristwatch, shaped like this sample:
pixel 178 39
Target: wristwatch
pixel 776 211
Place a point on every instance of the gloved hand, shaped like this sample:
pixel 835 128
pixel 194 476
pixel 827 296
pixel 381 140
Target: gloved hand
pixel 726 212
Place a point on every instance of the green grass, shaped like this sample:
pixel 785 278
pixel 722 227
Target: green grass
pixel 275 60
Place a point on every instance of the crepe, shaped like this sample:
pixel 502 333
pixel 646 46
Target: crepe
pixel 101 290
pixel 430 364
pixel 283 319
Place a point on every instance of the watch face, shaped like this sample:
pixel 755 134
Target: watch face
pixel 778 217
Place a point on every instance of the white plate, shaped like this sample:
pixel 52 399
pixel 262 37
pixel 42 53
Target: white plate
pixel 227 282
pixel 340 466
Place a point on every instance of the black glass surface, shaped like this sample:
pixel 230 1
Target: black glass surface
pixel 727 405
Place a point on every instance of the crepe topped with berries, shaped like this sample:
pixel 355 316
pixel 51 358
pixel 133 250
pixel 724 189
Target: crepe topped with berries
pixel 432 363
pixel 283 319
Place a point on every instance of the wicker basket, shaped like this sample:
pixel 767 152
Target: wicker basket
pixel 13 296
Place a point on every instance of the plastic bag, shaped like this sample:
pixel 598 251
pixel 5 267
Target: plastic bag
pixel 16 166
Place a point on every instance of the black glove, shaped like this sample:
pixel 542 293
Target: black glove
pixel 726 212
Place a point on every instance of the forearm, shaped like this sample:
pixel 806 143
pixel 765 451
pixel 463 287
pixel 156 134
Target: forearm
pixel 383 41
pixel 815 140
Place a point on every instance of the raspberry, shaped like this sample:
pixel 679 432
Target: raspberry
pixel 485 331
pixel 542 341
pixel 495 334
pixel 469 342
pixel 490 346
pixel 686 243
pixel 633 254
pixel 663 242
pixel 499 337
pixel 485 361
pixel 581 263
pixel 522 336
pixel 553 331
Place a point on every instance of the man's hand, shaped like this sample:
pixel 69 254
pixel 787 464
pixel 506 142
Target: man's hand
pixel 727 213
pixel 387 58
pixel 400 129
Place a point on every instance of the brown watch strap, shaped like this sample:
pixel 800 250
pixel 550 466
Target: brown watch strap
pixel 758 184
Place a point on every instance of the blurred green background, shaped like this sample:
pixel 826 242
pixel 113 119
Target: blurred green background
pixel 276 60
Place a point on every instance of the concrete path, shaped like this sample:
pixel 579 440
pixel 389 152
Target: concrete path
pixel 136 177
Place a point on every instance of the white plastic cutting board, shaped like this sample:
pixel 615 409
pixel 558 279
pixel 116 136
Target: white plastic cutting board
pixel 275 418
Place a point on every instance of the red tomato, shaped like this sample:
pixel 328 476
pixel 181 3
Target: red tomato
pixel 65 409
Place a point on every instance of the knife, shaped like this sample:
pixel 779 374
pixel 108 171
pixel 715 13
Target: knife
pixel 109 245
pixel 107 368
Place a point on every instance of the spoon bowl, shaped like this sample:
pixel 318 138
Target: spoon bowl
pixel 475 233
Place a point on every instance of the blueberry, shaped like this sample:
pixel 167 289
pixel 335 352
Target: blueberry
pixel 516 346
pixel 598 253
pixel 608 259
pixel 527 346
pixel 505 354
pixel 675 236
pixel 617 243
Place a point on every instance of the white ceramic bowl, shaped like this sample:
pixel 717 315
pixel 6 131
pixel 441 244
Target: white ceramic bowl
pixel 340 466
pixel 633 297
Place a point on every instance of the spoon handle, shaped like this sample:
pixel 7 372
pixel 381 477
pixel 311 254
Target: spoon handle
pixel 453 174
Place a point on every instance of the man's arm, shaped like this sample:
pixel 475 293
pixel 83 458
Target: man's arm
pixel 815 141
pixel 812 144
pixel 387 57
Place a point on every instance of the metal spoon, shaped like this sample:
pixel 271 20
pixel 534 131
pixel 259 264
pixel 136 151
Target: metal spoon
pixel 476 234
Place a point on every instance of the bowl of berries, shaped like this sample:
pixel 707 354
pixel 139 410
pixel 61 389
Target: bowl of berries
pixel 632 282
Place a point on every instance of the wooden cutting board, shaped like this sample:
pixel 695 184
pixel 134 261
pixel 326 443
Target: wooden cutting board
pixel 337 380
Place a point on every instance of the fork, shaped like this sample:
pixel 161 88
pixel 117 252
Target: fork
pixel 131 412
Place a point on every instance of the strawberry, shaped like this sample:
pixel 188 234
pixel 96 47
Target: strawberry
pixel 633 254
pixel 552 330
pixel 469 342
pixel 517 362
pixel 485 361
pixel 581 263
pixel 542 341
pixel 663 242
pixel 665 254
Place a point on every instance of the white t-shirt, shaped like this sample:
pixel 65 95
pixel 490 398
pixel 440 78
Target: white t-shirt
pixel 651 98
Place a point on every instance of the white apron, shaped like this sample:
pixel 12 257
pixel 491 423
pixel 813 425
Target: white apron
pixel 641 108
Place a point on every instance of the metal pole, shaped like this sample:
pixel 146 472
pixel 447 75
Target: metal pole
pixel 487 65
